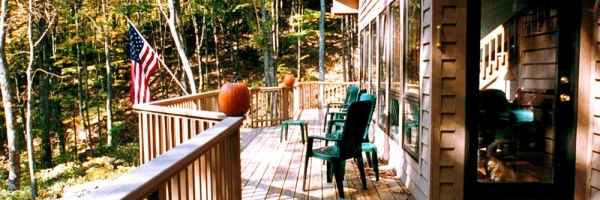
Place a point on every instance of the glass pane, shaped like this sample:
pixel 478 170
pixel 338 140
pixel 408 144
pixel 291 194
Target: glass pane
pixel 364 62
pixel 412 88
pixel 374 57
pixel 412 118
pixel 394 114
pixel 396 56
pixel 516 99
pixel 382 119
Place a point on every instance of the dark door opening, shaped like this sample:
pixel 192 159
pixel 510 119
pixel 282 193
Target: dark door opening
pixel 520 109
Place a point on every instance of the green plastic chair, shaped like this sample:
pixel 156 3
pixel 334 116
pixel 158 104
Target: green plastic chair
pixel 370 149
pixel 348 146
pixel 352 93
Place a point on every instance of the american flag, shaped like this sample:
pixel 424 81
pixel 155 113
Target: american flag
pixel 144 62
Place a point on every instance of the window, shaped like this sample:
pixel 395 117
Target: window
pixel 364 58
pixel 412 88
pixel 373 48
pixel 395 70
pixel 381 89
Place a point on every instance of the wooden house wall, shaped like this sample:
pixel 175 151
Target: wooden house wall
pixel 414 174
pixel 439 173
pixel 592 163
pixel 446 71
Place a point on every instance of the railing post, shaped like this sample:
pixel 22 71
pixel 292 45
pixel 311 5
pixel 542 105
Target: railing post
pixel 297 100
pixel 286 103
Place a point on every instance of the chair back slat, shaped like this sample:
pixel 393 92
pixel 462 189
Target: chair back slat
pixel 354 129
pixel 351 94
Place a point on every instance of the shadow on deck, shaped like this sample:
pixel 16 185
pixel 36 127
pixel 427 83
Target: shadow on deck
pixel 273 170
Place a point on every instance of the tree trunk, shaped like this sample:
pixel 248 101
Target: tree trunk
pixel 321 50
pixel 265 46
pixel 350 60
pixel 44 101
pixel 55 107
pixel 79 80
pixel 300 11
pixel 180 50
pixel 108 75
pixel 343 31
pixel 275 36
pixel 217 49
pixel 30 151
pixel 14 167
pixel 199 43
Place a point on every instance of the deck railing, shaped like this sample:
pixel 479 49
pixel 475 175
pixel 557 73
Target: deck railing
pixel 307 93
pixel 190 150
pixel 184 154
pixel 270 106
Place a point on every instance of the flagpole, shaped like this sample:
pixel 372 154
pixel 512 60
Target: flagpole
pixel 159 59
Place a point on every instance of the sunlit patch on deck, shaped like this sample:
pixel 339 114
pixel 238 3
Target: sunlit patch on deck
pixel 273 170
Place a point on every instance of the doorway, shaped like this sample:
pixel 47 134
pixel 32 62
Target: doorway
pixel 521 128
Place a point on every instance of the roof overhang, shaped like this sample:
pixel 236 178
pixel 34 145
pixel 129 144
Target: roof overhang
pixel 344 7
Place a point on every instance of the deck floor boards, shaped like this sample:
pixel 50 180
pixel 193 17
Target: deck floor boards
pixel 274 170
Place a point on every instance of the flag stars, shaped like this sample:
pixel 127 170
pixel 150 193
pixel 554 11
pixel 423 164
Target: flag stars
pixel 136 44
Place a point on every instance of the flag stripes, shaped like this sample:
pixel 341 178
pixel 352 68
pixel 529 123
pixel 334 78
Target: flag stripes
pixel 144 62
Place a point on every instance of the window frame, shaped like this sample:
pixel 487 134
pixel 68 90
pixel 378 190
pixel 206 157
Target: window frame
pixel 411 73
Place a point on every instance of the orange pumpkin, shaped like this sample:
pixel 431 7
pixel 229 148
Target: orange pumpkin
pixel 234 99
pixel 289 80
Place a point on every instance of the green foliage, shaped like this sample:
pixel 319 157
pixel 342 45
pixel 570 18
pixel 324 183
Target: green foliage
pixel 141 6
pixel 52 182
pixel 313 53
pixel 312 78
pixel 79 48
pixel 119 134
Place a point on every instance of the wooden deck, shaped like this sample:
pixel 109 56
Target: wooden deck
pixel 274 170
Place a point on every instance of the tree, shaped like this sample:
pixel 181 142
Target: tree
pixel 109 81
pixel 8 91
pixel 30 150
pixel 199 42
pixel 321 50
pixel 171 22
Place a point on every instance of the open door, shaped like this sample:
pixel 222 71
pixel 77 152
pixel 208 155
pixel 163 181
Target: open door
pixel 521 130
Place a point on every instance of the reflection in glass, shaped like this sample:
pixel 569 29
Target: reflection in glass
pixel 374 57
pixel 394 114
pixel 396 53
pixel 516 98
pixel 382 70
pixel 395 70
pixel 411 123
pixel 412 89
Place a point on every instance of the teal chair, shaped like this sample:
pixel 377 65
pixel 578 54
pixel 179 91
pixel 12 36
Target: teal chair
pixel 370 149
pixel 352 93
pixel 348 146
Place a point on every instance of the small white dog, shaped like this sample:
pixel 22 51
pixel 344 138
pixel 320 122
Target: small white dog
pixel 499 171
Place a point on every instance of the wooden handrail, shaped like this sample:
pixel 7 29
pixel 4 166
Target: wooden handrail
pixel 189 149
pixel 144 180
pixel 181 112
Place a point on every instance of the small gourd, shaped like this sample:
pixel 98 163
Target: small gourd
pixel 289 80
pixel 234 98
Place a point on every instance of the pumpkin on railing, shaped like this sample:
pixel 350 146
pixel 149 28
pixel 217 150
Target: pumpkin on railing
pixel 234 98
pixel 289 80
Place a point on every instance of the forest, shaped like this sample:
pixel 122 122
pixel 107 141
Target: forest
pixel 65 74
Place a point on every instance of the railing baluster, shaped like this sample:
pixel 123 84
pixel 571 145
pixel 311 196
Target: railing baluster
pixel 169 132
